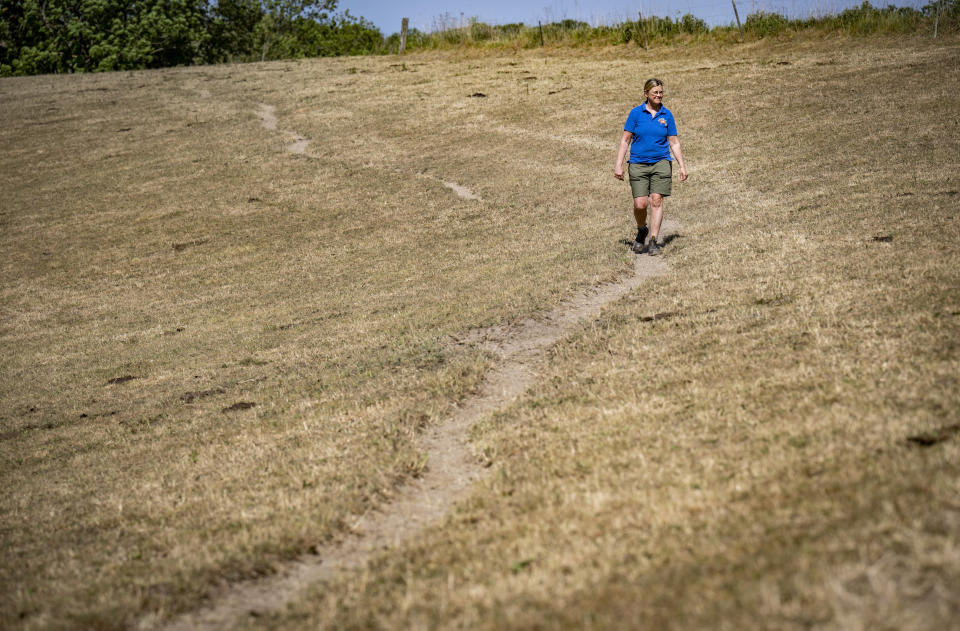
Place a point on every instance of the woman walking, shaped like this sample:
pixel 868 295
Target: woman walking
pixel 650 134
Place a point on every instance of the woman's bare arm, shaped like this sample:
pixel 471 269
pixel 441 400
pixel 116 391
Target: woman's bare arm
pixel 678 154
pixel 622 153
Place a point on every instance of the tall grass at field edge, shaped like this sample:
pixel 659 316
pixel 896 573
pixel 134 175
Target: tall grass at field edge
pixel 687 29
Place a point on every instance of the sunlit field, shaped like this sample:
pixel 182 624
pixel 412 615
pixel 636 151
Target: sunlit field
pixel 235 297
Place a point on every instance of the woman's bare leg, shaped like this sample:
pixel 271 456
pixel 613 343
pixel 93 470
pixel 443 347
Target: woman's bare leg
pixel 656 214
pixel 640 211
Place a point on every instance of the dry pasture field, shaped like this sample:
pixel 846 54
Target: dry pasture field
pixel 233 298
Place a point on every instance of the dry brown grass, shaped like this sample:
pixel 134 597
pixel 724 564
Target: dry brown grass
pixel 743 463
pixel 155 230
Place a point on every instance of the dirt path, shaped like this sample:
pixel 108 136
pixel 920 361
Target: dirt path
pixel 451 469
pixel 460 190
pixel 451 465
pixel 268 118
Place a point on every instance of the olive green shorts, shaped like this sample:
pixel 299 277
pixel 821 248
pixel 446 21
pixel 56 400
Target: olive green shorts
pixel 650 178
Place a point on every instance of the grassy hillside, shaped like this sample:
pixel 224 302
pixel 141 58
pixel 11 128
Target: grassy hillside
pixel 217 349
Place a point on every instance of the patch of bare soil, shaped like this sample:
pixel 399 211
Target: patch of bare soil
pixel 268 118
pixel 460 190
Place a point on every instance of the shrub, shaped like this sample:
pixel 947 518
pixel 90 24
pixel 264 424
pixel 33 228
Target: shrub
pixel 480 32
pixel 763 24
pixel 689 23
pixel 867 19
pixel 510 30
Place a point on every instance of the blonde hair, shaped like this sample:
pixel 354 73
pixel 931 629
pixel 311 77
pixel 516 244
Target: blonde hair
pixel 650 84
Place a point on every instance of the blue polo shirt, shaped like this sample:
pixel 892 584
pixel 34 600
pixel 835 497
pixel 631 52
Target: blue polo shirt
pixel 650 134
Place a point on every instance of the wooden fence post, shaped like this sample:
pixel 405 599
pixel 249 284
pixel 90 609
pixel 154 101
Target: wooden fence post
pixel 541 33
pixel 404 23
pixel 936 21
pixel 643 30
pixel 737 15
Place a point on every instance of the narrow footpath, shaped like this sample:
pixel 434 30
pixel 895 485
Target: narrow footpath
pixel 452 468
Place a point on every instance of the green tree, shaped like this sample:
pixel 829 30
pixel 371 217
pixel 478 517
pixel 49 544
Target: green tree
pixel 342 34
pixel 278 33
pixel 43 36
pixel 46 36
pixel 232 27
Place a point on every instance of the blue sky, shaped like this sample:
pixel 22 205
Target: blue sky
pixel 426 15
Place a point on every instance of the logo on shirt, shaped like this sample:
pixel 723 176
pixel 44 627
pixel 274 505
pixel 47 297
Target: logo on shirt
pixel 662 121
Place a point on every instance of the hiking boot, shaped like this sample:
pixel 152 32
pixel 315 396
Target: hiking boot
pixel 642 233
pixel 652 248
pixel 641 237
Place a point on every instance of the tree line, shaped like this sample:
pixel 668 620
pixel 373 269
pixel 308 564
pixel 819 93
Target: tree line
pixel 56 36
